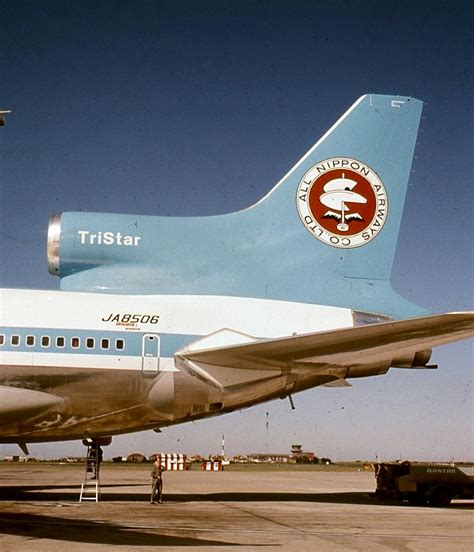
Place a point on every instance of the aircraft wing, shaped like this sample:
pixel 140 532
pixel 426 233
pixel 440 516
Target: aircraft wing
pixel 399 343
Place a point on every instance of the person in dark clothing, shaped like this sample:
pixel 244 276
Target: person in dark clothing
pixel 157 482
pixel 94 460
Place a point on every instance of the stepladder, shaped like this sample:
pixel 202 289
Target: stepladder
pixel 90 488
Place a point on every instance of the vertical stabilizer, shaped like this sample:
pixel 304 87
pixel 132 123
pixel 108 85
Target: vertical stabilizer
pixel 350 187
pixel 326 233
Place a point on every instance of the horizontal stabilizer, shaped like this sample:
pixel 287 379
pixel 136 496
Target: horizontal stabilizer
pixel 3 120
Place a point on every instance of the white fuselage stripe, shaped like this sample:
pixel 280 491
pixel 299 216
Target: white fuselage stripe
pixel 176 314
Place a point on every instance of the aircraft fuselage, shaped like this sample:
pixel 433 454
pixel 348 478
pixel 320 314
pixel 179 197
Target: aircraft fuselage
pixel 81 365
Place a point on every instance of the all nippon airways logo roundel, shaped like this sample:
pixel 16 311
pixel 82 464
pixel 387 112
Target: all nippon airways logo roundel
pixel 342 202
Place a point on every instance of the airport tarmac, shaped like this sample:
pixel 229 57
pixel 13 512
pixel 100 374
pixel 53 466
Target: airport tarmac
pixel 315 510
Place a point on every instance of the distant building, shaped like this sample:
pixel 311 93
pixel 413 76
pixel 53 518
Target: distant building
pixel 271 458
pixel 298 455
pixel 136 457
pixel 212 465
pixel 296 449
pixel 240 459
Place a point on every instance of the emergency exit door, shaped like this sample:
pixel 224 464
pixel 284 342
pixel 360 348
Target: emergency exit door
pixel 150 354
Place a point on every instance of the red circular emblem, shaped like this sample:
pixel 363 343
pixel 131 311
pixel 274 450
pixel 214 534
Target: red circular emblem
pixel 342 202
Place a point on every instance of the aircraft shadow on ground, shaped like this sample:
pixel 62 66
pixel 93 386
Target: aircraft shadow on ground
pixel 35 526
pixel 58 493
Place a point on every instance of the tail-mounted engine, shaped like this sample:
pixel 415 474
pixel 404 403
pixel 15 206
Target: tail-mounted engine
pixel 78 242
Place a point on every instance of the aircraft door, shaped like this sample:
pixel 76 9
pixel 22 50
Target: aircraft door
pixel 150 354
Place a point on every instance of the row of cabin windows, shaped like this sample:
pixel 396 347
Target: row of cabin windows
pixel 47 341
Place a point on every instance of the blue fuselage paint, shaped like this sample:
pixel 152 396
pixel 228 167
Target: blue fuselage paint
pixel 45 340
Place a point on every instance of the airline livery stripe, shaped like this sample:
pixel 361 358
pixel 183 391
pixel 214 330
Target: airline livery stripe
pixel 86 342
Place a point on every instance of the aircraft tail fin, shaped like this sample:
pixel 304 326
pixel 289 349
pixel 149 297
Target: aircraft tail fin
pixel 350 187
pixel 326 233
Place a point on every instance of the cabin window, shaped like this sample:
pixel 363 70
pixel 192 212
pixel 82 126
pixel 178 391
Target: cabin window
pixel 119 344
pixel 15 340
pixel 45 341
pixel 30 340
pixel 60 342
pixel 75 342
pixel 105 343
pixel 90 343
pixel 2 339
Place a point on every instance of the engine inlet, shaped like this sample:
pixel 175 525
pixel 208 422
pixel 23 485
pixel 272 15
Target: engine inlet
pixel 54 234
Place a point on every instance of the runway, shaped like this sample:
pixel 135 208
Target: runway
pixel 232 510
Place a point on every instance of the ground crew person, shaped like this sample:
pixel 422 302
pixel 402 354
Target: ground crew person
pixel 94 459
pixel 157 482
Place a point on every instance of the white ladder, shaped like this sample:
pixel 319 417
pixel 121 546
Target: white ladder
pixel 90 488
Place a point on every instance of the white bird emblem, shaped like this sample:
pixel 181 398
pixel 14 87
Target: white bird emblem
pixel 338 192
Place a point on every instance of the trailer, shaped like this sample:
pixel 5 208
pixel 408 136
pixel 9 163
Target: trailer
pixel 423 484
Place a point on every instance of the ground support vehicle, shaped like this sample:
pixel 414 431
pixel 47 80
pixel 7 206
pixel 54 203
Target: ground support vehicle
pixel 422 484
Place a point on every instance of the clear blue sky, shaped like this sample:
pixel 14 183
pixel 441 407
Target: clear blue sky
pixel 188 108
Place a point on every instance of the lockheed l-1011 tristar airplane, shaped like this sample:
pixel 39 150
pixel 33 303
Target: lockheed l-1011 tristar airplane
pixel 163 320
